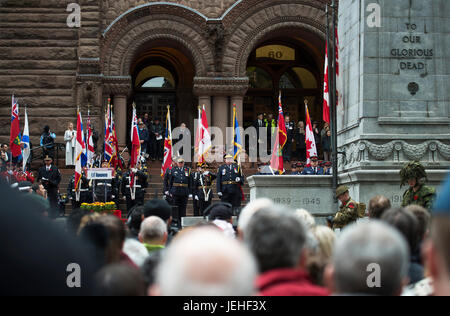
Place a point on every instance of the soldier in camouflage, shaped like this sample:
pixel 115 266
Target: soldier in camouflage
pixel 418 193
pixel 348 212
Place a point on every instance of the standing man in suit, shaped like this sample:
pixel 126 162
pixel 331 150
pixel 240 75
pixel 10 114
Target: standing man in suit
pixel 50 177
pixel 258 124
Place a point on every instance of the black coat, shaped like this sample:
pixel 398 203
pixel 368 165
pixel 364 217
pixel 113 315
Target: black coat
pixel 50 179
pixel 226 174
pixel 180 181
pixel 141 184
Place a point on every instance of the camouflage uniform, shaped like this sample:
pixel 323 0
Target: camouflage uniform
pixel 348 213
pixel 423 197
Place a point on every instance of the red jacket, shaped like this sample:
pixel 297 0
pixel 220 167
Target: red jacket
pixel 288 282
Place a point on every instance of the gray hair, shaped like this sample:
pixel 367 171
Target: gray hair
pixel 204 262
pixel 250 209
pixel 276 236
pixel 153 228
pixel 363 244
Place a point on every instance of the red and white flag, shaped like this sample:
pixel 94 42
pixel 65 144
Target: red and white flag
pixel 108 134
pixel 205 138
pixel 311 149
pixel 14 138
pixel 326 91
pixel 135 141
pixel 89 143
pixel 197 135
pixel 276 162
pixel 79 150
pixel 339 87
pixel 167 163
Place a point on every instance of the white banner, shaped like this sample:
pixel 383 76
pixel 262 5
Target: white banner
pixel 100 173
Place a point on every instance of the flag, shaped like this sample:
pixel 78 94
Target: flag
pixel 108 134
pixel 14 138
pixel 79 152
pixel 116 158
pixel 198 136
pixel 326 91
pixel 276 162
pixel 26 142
pixel 89 143
pixel 311 149
pixel 167 163
pixel 204 144
pixel 135 141
pixel 339 87
pixel 237 142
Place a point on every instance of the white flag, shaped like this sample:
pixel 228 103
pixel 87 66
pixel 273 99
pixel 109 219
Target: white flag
pixel 26 142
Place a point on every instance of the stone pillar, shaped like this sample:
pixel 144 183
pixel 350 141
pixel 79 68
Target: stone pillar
pixel 120 118
pixel 220 114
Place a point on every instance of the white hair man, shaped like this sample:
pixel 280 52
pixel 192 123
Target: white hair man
pixel 248 211
pixel 370 258
pixel 153 233
pixel 204 262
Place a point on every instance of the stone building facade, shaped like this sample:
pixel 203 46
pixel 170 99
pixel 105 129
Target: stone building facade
pixel 179 52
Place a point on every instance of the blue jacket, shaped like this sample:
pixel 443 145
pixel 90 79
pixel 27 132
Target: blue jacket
pixel 309 171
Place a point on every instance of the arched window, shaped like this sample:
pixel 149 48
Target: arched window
pixel 158 82
pixel 259 78
pixel 298 78
pixel 155 76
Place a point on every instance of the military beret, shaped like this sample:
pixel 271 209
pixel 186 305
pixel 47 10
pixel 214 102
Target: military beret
pixel 222 211
pixel 442 204
pixel 341 190
pixel 328 164
pixel 159 208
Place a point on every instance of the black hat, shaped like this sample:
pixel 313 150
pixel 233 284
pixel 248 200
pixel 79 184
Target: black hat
pixel 160 208
pixel 300 164
pixel 222 211
pixel 24 185
pixel 313 158
pixel 328 164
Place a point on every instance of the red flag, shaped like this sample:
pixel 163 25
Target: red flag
pixel 276 163
pixel 311 149
pixel 326 91
pixel 79 150
pixel 14 138
pixel 204 144
pixel 167 163
pixel 198 136
pixel 135 141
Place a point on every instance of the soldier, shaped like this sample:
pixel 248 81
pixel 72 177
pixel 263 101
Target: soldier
pixel 294 169
pixel 180 186
pixel 106 190
pixel 85 195
pixel 349 211
pixel 195 177
pixel 229 182
pixel 50 177
pixel 327 168
pixel 301 167
pixel 134 190
pixel 203 189
pixel 166 184
pixel 314 169
pixel 418 193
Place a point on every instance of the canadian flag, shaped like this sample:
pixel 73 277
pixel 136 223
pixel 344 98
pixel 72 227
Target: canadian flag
pixel 89 143
pixel 135 141
pixel 326 91
pixel 79 153
pixel 204 139
pixel 311 149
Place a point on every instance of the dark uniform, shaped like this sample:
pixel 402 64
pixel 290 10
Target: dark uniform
pixel 139 187
pixel 229 182
pixel 287 149
pixel 50 180
pixel 107 190
pixel 311 171
pixel 85 192
pixel 180 187
pixel 203 190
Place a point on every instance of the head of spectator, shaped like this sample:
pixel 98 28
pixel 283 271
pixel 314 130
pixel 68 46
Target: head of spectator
pixel 160 208
pixel 423 216
pixel 294 167
pixel 25 187
pixel 74 220
pixel 116 238
pixel 135 220
pixel 278 238
pixel 203 262
pixel 378 205
pixel 119 280
pixel 248 211
pixel 370 258
pixel 306 218
pixel 436 248
pixel 321 257
pixel 221 215
pixel 153 233
pixel 39 190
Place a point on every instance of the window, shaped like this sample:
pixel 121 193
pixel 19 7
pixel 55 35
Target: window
pixel 276 52
pixel 155 77
pixel 259 78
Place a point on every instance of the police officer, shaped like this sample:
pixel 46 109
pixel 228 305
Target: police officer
pixel 85 193
pixel 314 169
pixel 50 177
pixel 229 182
pixel 294 169
pixel 180 186
pixel 203 188
pixel 348 212
pixel 106 190
pixel 418 193
pixel 327 168
pixel 133 189
pixel 301 167
pixel 195 177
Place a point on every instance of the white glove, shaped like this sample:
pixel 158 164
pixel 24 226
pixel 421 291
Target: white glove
pixel 219 194
pixel 238 179
pixel 166 193
pixel 134 170
pixel 206 173
pixel 196 197
pixel 190 196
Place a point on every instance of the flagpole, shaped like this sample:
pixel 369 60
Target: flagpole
pixel 333 119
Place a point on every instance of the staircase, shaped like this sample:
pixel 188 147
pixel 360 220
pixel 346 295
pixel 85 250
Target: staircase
pixel 155 186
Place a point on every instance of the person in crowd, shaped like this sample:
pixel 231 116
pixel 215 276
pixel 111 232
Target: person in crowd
pixel 47 142
pixel 314 169
pixel 349 211
pixel 424 217
pixel 50 177
pixel 85 190
pixel 324 130
pixel 5 156
pixel 316 132
pixel 378 205
pixel 294 169
pixel 436 248
pixel 287 149
pixel 418 193
pixel 158 132
pixel 326 146
pixel 300 143
pixel 70 137
pixel 277 239
pixel 119 280
pixel 153 234
pixel 134 222
pixel 260 127
pixel 229 182
pixel 189 266
pixel 202 188
pixel 221 215
pixel 363 249
pixel 321 257
pixel 327 168
pixel 248 211
pixel 408 225
pixel 306 218
pixel 133 185
pixel 151 136
pixel 143 137
pixel 180 186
